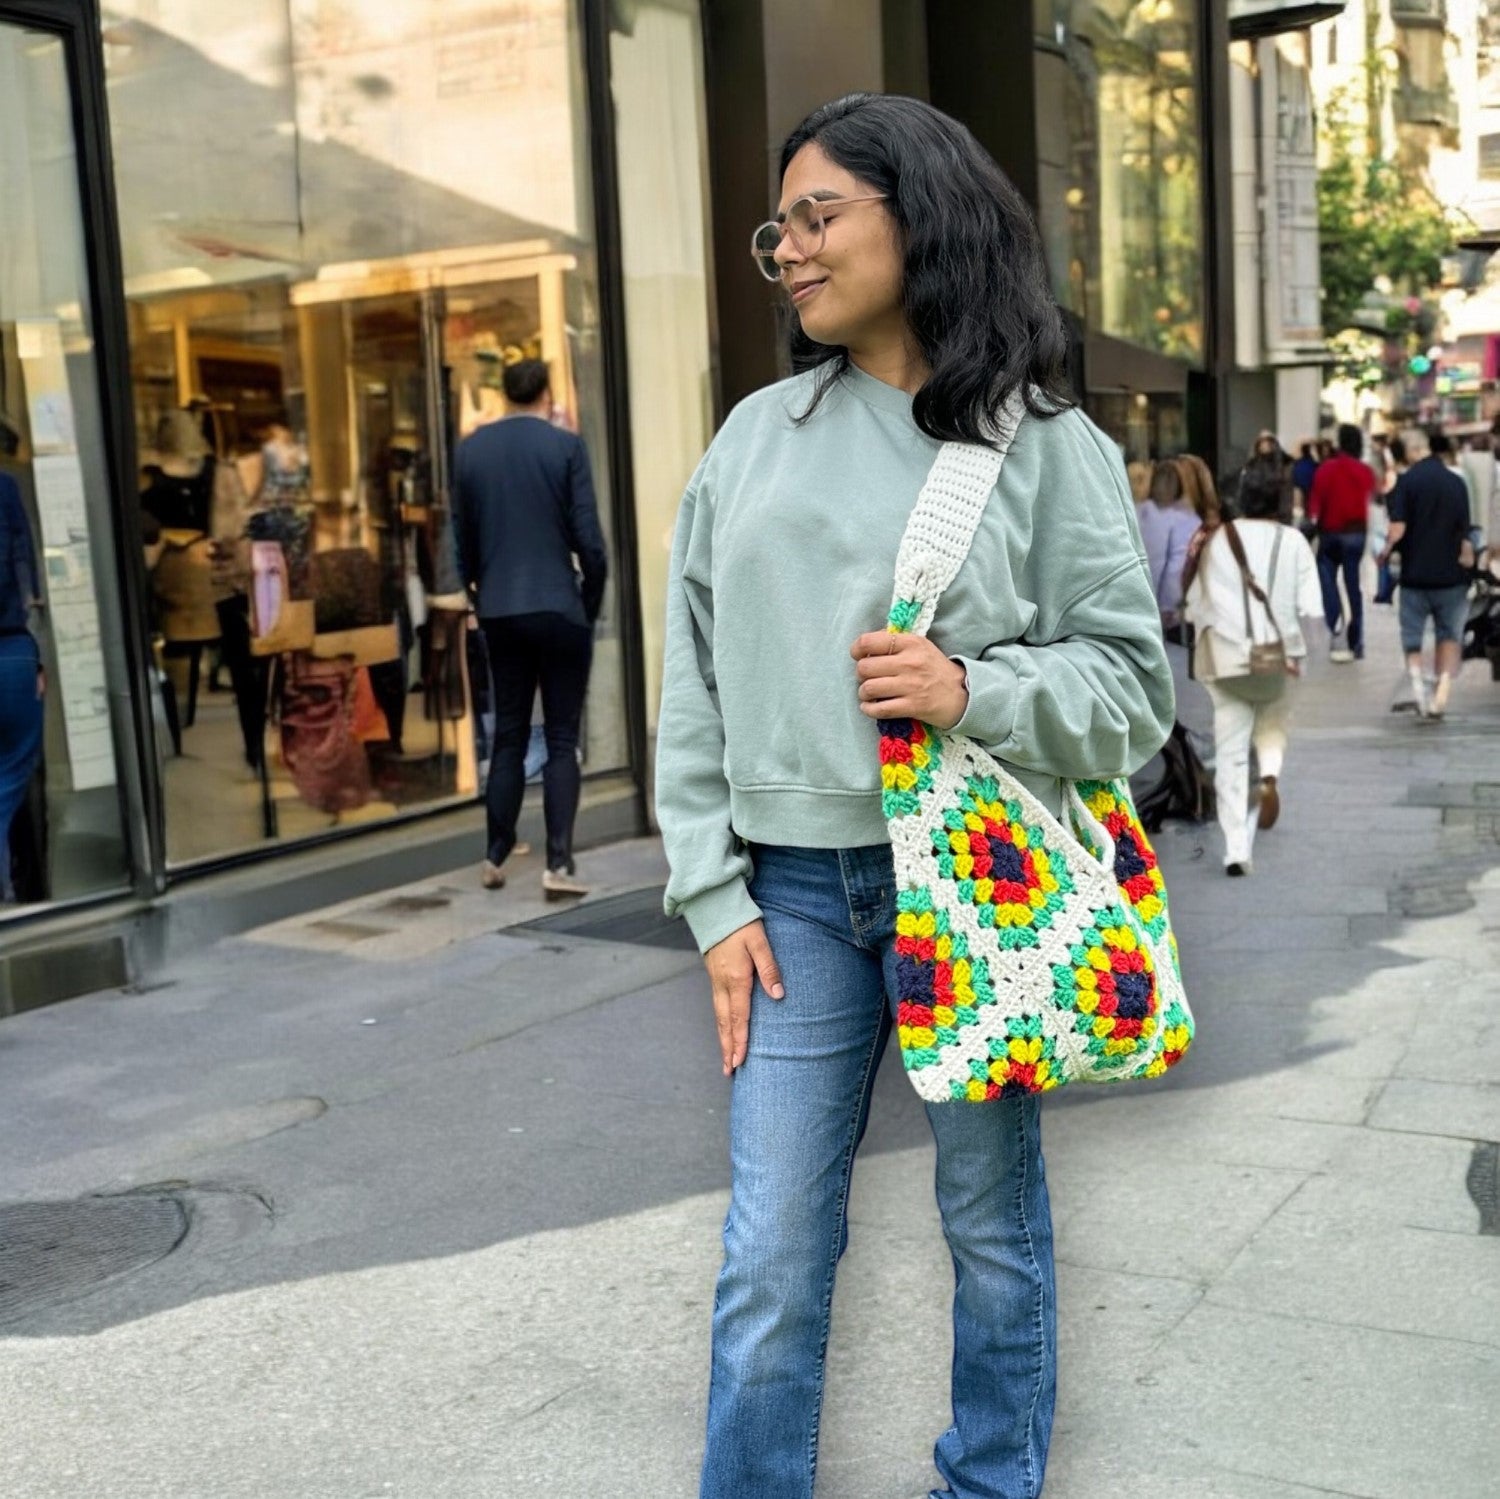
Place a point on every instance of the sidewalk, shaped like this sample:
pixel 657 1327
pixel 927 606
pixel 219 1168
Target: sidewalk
pixel 448 1190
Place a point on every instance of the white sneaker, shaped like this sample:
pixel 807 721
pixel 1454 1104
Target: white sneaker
pixel 1338 649
pixel 1418 690
pixel 1440 693
pixel 560 884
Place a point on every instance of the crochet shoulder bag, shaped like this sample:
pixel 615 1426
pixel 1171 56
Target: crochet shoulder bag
pixel 1029 954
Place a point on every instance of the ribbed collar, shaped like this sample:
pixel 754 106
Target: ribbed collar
pixel 877 393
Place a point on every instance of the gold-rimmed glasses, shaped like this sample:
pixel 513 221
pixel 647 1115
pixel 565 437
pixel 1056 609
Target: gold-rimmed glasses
pixel 804 223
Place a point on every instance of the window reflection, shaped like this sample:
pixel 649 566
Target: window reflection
pixel 1120 150
pixel 60 817
pixel 340 219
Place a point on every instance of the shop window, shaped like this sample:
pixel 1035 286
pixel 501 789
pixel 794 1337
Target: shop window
pixel 1489 158
pixel 341 219
pixel 62 674
pixel 1120 151
pixel 1489 54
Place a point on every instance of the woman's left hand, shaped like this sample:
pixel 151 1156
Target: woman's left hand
pixel 907 676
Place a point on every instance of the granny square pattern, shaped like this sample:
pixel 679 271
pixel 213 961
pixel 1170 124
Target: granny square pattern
pixel 1029 954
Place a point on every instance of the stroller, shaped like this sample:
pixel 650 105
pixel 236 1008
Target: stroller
pixel 1482 628
pixel 1186 787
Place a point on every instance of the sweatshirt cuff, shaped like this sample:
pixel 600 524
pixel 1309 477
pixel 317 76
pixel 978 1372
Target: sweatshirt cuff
pixel 714 914
pixel 993 688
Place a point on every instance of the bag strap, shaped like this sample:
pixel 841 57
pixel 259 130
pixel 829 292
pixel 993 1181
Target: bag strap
pixel 1248 583
pixel 1275 560
pixel 943 522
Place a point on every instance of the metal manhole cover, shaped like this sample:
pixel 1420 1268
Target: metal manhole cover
pixel 53 1251
pixel 635 918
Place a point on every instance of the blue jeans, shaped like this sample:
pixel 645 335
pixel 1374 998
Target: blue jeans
pixel 21 715
pixel 797 1113
pixel 1342 552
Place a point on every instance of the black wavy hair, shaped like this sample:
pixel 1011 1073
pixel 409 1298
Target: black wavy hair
pixel 1262 489
pixel 974 288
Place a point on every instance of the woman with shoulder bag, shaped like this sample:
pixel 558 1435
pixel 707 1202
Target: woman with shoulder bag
pixel 920 312
pixel 1247 590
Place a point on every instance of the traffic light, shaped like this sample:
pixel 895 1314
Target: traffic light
pixel 1419 365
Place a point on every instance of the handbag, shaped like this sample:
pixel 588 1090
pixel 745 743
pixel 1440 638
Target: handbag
pixel 326 760
pixel 1028 954
pixel 1268 660
pixel 278 622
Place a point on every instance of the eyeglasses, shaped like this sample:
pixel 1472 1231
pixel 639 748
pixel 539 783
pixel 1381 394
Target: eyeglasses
pixel 804 222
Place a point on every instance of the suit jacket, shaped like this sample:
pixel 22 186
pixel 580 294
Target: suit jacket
pixel 525 506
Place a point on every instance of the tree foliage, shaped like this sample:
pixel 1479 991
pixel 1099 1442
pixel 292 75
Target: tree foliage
pixel 1373 220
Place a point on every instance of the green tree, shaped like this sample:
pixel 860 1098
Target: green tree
pixel 1374 220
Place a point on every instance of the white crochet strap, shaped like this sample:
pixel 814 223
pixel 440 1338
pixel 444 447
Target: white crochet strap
pixel 941 527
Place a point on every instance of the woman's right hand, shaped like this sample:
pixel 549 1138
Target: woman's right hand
pixel 733 966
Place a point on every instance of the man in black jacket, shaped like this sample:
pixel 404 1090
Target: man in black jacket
pixel 525 508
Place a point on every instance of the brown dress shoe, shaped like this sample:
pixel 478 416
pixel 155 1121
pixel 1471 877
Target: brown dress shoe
pixel 1270 802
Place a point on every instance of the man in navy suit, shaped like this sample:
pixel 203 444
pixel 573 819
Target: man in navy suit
pixel 525 506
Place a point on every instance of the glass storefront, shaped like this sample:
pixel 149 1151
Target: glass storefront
pixel 340 221
pixel 1119 153
pixel 62 673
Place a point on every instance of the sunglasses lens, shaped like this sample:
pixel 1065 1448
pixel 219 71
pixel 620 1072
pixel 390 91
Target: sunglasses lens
pixel 763 248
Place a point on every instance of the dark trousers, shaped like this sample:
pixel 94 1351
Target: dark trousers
pixel 1342 552
pixel 247 673
pixel 528 651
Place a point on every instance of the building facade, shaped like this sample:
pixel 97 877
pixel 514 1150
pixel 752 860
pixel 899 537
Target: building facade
pixel 263 266
pixel 1420 81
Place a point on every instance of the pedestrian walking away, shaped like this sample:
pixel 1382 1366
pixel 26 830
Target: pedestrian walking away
pixel 1430 522
pixel 919 305
pixel 525 500
pixel 1251 582
pixel 1339 507
pixel 1304 470
pixel 1168 522
pixel 1380 522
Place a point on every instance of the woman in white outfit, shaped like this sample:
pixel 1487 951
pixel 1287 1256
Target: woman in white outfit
pixel 1236 609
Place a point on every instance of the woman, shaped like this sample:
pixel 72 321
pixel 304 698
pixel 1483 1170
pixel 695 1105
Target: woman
pixel 1380 522
pixel 919 304
pixel 1303 471
pixel 1222 602
pixel 1167 525
pixel 1203 496
pixel 1199 490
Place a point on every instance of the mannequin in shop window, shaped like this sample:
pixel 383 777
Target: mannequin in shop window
pixel 200 578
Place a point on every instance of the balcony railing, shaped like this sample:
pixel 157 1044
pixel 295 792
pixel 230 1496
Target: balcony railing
pixel 1426 106
pixel 1415 13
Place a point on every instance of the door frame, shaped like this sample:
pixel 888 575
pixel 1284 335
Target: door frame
pixel 77 24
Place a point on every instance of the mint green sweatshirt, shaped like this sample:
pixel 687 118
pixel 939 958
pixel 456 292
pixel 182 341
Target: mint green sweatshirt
pixel 785 551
